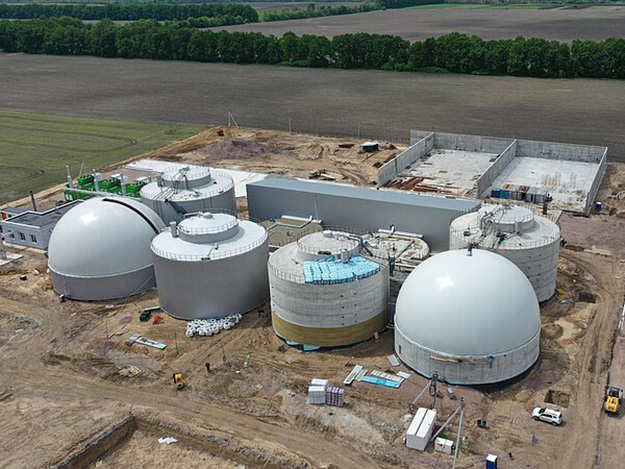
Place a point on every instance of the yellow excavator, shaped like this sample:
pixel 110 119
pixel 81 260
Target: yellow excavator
pixel 179 381
pixel 613 399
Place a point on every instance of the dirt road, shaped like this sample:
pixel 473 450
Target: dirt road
pixel 584 416
pixel 25 368
pixel 611 449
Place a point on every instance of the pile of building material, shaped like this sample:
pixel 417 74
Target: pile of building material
pixel 335 396
pixel 391 380
pixel 208 327
pixel 320 393
pixel 317 395
pixel 383 379
pixel 139 339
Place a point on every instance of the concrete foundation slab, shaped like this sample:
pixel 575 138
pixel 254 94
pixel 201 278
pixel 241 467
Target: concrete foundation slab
pixel 446 171
pixel 568 182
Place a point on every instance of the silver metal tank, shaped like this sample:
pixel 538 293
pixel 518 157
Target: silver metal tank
pixel 531 242
pixel 211 265
pixel 320 295
pixel 100 249
pixel 179 191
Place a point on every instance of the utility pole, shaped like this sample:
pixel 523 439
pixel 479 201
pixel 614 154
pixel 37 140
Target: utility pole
pixel 33 201
pixel 3 252
pixel 460 431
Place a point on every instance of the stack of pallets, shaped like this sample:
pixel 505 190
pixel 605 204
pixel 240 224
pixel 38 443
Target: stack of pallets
pixel 335 396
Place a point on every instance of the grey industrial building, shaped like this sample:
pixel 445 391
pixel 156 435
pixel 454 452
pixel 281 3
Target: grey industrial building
pixel 359 208
pixel 33 229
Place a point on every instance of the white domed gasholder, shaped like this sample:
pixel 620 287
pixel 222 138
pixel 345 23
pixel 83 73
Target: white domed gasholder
pixel 473 318
pixel 100 249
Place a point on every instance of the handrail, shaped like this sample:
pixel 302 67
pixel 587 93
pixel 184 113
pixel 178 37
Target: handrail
pixel 212 254
pixel 299 278
pixel 209 230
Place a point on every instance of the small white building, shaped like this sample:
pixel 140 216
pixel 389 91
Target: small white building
pixel 443 445
pixel 420 429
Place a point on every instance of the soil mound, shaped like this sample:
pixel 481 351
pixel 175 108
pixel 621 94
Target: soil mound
pixel 235 149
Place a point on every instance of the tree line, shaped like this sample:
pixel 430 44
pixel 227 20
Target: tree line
pixel 457 53
pixel 197 15
pixel 408 3
pixel 130 11
pixel 314 11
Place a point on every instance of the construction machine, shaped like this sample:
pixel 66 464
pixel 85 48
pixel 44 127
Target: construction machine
pixel 613 399
pixel 179 381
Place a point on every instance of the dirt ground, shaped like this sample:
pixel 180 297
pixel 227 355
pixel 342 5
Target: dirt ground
pixel 384 105
pixel 144 450
pixel 274 152
pixel 563 24
pixel 70 374
pixel 67 382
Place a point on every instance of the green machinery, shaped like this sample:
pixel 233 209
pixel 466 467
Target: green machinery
pixel 87 183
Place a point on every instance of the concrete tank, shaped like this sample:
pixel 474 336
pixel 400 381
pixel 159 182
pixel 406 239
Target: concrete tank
pixel 211 265
pixel 472 317
pixel 191 189
pixel 531 242
pixel 100 249
pixel 325 292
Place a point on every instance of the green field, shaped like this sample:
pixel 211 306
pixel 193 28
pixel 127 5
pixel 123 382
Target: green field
pixel 35 148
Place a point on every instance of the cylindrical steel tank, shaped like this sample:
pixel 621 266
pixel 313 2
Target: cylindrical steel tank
pixel 325 292
pixel 211 265
pixel 531 242
pixel 100 249
pixel 191 189
pixel 470 316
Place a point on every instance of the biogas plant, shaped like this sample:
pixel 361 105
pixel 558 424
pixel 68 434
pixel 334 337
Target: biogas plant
pixel 430 278
pixel 326 286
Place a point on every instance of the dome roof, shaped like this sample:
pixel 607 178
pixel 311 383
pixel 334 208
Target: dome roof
pixel 462 305
pixel 103 236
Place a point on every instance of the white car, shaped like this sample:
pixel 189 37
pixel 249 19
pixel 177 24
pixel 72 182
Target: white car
pixel 554 417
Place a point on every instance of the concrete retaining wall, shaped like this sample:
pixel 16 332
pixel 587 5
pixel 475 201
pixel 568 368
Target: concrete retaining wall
pixel 594 189
pixel 560 151
pixel 483 184
pixel 390 170
pixel 463 142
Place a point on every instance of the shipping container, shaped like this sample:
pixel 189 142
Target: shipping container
pixel 421 428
